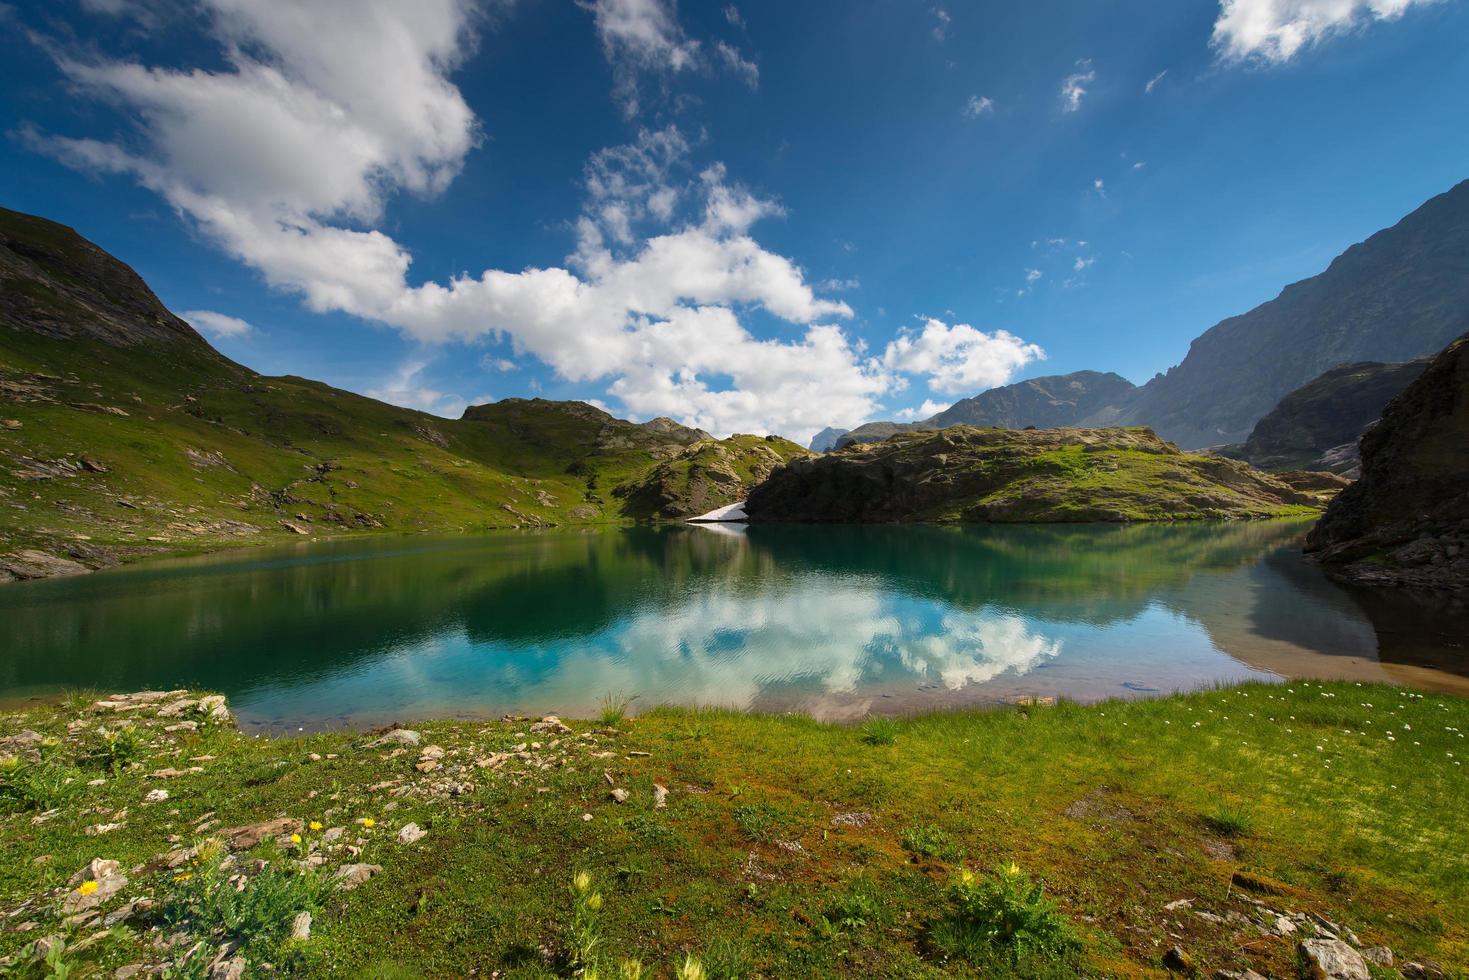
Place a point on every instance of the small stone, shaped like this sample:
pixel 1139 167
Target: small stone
pixel 660 796
pixel 1180 903
pixel 640 755
pixel 1284 926
pixel 246 837
pixel 349 876
pixel 398 736
pixel 1426 970
pixel 550 723
pixel 97 830
pixel 1237 975
pixel 619 795
pixel 1178 961
pixel 586 818
pixel 230 969
pixel 155 796
pixel 851 820
pixel 1378 956
pixel 428 765
pixel 301 927
pixel 333 834
pixel 12 423
pixel 432 752
pixel 411 833
pixel 1332 959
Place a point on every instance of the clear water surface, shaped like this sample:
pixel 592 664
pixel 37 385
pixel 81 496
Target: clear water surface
pixel 834 622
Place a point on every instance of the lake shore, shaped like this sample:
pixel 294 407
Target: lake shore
pixel 1224 827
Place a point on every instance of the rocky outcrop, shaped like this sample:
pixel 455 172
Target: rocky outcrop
pixel 1317 426
pixel 1406 521
pixel 967 474
pixel 56 283
pixel 707 475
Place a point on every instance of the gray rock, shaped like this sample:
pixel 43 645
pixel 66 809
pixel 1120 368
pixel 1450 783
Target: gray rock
pixel 398 736
pixel 1332 959
pixel 660 796
pixel 29 563
pixel 411 833
pixel 619 795
pixel 1237 975
pixel 301 927
pixel 349 876
pixel 1378 956
pixel 230 969
pixel 1426 970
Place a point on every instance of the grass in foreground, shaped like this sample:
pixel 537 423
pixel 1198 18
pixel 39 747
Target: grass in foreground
pixel 1040 842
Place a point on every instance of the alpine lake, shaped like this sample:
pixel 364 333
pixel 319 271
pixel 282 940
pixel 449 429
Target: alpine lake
pixel 835 622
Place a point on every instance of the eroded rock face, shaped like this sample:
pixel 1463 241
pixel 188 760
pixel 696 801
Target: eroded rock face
pixel 1406 521
pixel 967 474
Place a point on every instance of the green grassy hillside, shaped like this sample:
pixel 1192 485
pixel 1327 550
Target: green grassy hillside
pixel 122 433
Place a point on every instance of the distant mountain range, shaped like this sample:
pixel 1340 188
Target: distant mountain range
pixel 1402 294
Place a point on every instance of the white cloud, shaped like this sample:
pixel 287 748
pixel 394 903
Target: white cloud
pixel 1153 82
pixel 732 14
pixel 979 105
pixel 641 36
pixel 959 358
pixel 1100 187
pixel 1276 30
pixel 738 64
pixel 404 389
pixel 1032 275
pixel 1139 165
pixel 942 20
pixel 1076 85
pixel 217 324
pixel 927 410
pixel 286 155
pixel 1082 263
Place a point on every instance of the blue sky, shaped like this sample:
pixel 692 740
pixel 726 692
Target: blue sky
pixel 761 216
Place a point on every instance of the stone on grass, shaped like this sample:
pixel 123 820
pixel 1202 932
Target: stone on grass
pixel 398 736
pixel 246 837
pixel 619 795
pixel 156 796
pixel 660 796
pixel 349 876
pixel 301 927
pixel 411 833
pixel 550 723
pixel 1378 956
pixel 1332 959
pixel 230 969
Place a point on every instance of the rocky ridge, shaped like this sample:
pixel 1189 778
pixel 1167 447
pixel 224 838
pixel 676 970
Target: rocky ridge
pixel 966 474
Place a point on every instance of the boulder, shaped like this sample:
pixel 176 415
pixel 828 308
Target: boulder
pixel 398 736
pixel 349 876
pixel 1332 959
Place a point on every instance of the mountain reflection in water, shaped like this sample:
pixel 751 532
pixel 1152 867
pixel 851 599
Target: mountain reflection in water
pixel 835 622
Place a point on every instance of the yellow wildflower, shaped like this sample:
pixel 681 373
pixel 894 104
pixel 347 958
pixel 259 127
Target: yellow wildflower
pixel 315 825
pixel 1013 869
pixel 183 876
pixel 582 881
pixel 87 888
pixel 295 838
pixel 368 823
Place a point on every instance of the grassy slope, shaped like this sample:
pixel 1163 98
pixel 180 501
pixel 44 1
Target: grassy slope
pixel 346 462
pixel 1111 804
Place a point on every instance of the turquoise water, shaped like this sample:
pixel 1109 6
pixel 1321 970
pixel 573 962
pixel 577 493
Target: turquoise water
pixel 835 622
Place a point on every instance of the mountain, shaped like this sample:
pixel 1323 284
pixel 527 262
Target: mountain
pixel 826 439
pixel 1049 402
pixel 1316 427
pixel 124 434
pixel 963 474
pixel 1400 295
pixel 1406 521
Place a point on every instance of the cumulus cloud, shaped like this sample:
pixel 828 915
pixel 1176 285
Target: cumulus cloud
pixel 927 410
pixel 1274 31
pixel 959 358
pixel 286 155
pixel 979 105
pixel 217 324
pixel 1076 85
